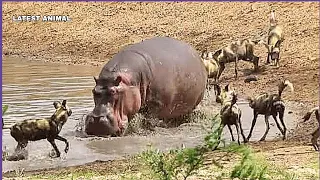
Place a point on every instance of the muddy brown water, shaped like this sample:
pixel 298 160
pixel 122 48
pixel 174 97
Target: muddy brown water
pixel 29 88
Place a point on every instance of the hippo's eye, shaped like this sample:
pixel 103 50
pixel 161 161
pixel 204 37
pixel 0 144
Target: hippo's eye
pixel 112 91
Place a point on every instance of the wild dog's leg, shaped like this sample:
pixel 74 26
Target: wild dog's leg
pixel 229 127
pixel 255 114
pixel 236 67
pixel 255 63
pixel 266 119
pixel 315 136
pixel 20 152
pixel 278 60
pixel 237 127
pixel 222 66
pixel 66 149
pixel 268 58
pixel 278 125
pixel 54 147
pixel 219 138
pixel 241 130
pixel 281 114
pixel 21 145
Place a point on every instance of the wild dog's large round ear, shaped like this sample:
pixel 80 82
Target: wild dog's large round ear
pixel 56 104
pixel 278 43
pixel 216 54
pixel 226 88
pixel 64 103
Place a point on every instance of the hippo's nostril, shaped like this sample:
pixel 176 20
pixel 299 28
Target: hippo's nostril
pixel 96 119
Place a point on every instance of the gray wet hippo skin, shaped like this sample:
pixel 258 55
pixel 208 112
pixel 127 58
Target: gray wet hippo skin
pixel 160 76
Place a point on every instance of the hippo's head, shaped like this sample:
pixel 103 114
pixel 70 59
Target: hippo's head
pixel 113 104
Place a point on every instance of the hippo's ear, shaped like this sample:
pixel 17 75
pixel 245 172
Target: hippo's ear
pixel 226 88
pixel 118 80
pixel 56 104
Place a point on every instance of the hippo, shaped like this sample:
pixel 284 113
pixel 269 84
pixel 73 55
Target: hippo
pixel 160 76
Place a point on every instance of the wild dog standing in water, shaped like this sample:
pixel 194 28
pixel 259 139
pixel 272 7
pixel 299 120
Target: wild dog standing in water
pixel 316 133
pixel 34 130
pixel 269 104
pixel 230 112
pixel 238 50
pixel 275 38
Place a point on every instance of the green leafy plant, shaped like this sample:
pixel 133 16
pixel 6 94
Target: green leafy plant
pixel 250 166
pixel 4 109
pixel 181 163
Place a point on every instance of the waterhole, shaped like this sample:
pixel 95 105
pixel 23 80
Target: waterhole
pixel 29 89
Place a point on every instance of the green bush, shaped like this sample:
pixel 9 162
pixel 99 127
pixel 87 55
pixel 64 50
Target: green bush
pixel 182 163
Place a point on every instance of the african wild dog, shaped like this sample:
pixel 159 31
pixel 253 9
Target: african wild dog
pixel 269 104
pixel 212 67
pixel 230 112
pixel 237 50
pixel 316 133
pixel 275 38
pixel 34 130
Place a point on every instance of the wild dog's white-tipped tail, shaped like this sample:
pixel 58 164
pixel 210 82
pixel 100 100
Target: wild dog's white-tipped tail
pixel 288 83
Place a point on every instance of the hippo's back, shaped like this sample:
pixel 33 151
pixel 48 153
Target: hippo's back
pixel 178 75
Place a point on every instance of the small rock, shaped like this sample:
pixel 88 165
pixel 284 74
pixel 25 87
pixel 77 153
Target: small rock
pixel 248 79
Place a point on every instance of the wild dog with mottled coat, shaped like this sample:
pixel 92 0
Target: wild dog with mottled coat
pixel 316 133
pixel 49 128
pixel 230 112
pixel 212 66
pixel 275 38
pixel 269 104
pixel 238 50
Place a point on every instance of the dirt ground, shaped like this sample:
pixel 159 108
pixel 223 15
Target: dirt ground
pixel 98 30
